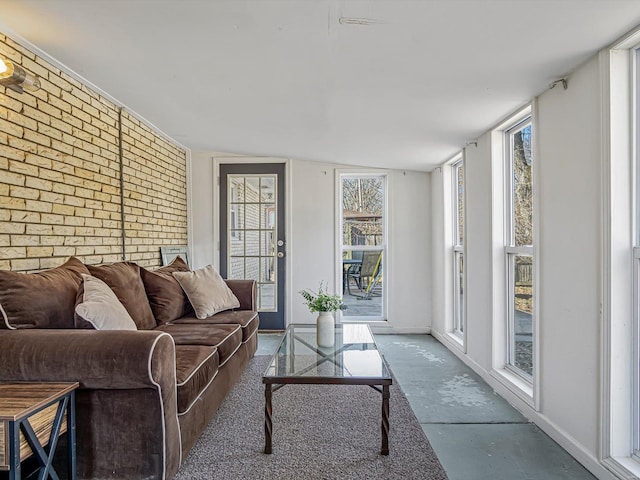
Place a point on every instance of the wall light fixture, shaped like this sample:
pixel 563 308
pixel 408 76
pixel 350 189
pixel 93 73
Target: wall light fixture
pixel 17 78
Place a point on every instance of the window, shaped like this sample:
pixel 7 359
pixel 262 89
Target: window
pixel 620 422
pixel 363 245
pixel 458 246
pixel 635 361
pixel 519 248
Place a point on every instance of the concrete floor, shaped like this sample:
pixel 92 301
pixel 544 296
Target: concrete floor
pixel 476 434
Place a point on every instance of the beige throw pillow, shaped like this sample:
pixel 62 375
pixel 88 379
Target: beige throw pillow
pixel 207 291
pixel 101 308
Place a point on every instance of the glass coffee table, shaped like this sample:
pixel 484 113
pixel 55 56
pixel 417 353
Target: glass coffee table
pixel 353 360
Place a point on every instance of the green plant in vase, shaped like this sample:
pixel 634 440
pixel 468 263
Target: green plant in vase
pixel 322 301
pixel 325 304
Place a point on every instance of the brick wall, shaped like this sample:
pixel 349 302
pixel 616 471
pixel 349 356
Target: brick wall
pixel 60 179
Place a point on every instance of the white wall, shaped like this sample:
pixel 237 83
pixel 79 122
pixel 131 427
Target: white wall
pixel 311 245
pixel 312 239
pixel 568 252
pixel 477 247
pixel 202 202
pixel 440 252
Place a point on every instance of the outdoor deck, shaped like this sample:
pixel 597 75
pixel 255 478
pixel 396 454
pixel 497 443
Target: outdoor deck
pixel 357 306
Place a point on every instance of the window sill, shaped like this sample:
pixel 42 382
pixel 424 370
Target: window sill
pixel 456 341
pixel 623 467
pixel 515 384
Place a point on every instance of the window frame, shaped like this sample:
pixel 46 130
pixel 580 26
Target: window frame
pixel 635 350
pixel 340 247
pixel 512 251
pixel 457 197
pixel 620 385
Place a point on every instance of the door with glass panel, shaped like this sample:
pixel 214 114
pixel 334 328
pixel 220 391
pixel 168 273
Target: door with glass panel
pixel 252 233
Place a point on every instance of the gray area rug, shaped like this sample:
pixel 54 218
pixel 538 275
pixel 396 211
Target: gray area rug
pixel 320 432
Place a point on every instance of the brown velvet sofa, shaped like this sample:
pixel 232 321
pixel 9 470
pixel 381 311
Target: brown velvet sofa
pixel 145 396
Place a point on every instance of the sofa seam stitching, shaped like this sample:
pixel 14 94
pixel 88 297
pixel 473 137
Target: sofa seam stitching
pixel 231 355
pixel 196 370
pixel 217 345
pixel 255 332
pixel 200 395
pixel 6 319
pixel 164 426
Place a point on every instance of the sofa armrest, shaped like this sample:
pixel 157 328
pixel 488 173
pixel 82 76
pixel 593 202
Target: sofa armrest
pixel 95 359
pixel 247 293
pixel 112 367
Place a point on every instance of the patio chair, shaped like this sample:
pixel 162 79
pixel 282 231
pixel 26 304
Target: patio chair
pixel 370 272
pixel 353 271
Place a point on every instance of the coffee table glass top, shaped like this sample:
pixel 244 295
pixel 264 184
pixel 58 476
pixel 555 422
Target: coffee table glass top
pixel 354 357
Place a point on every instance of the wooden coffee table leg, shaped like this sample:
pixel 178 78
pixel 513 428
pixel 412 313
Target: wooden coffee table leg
pixel 267 418
pixel 385 420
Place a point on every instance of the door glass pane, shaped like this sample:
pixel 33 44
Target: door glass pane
pixel 252 268
pixel 252 189
pixel 266 293
pixel 252 234
pixel 236 268
pixel 267 215
pixel 267 270
pixel 267 243
pixel 236 189
pixel 522 314
pixel 236 216
pixel 252 243
pixel 267 189
pixel 236 242
pixel 252 219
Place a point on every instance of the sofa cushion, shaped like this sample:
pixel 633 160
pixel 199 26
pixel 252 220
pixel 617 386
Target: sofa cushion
pixel 40 300
pixel 196 367
pixel 247 319
pixel 99 308
pixel 226 338
pixel 125 281
pixel 207 291
pixel 166 297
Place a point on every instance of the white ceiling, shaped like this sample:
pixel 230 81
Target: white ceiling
pixel 304 79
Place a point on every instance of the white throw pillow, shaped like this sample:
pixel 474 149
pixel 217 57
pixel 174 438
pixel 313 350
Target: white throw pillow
pixel 207 291
pixel 101 308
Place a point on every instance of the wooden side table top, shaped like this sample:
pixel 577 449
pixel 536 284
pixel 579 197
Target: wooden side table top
pixel 19 400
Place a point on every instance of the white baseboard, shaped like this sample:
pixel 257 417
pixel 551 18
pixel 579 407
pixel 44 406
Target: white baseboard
pixel 391 330
pixel 448 342
pixel 566 441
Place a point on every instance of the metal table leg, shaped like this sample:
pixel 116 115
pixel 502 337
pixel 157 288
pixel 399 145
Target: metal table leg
pixel 14 449
pixel 267 418
pixel 71 435
pixel 385 420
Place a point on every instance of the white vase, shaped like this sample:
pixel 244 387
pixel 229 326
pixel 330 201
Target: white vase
pixel 325 329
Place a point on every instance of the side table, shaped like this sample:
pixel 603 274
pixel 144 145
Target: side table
pixel 32 418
